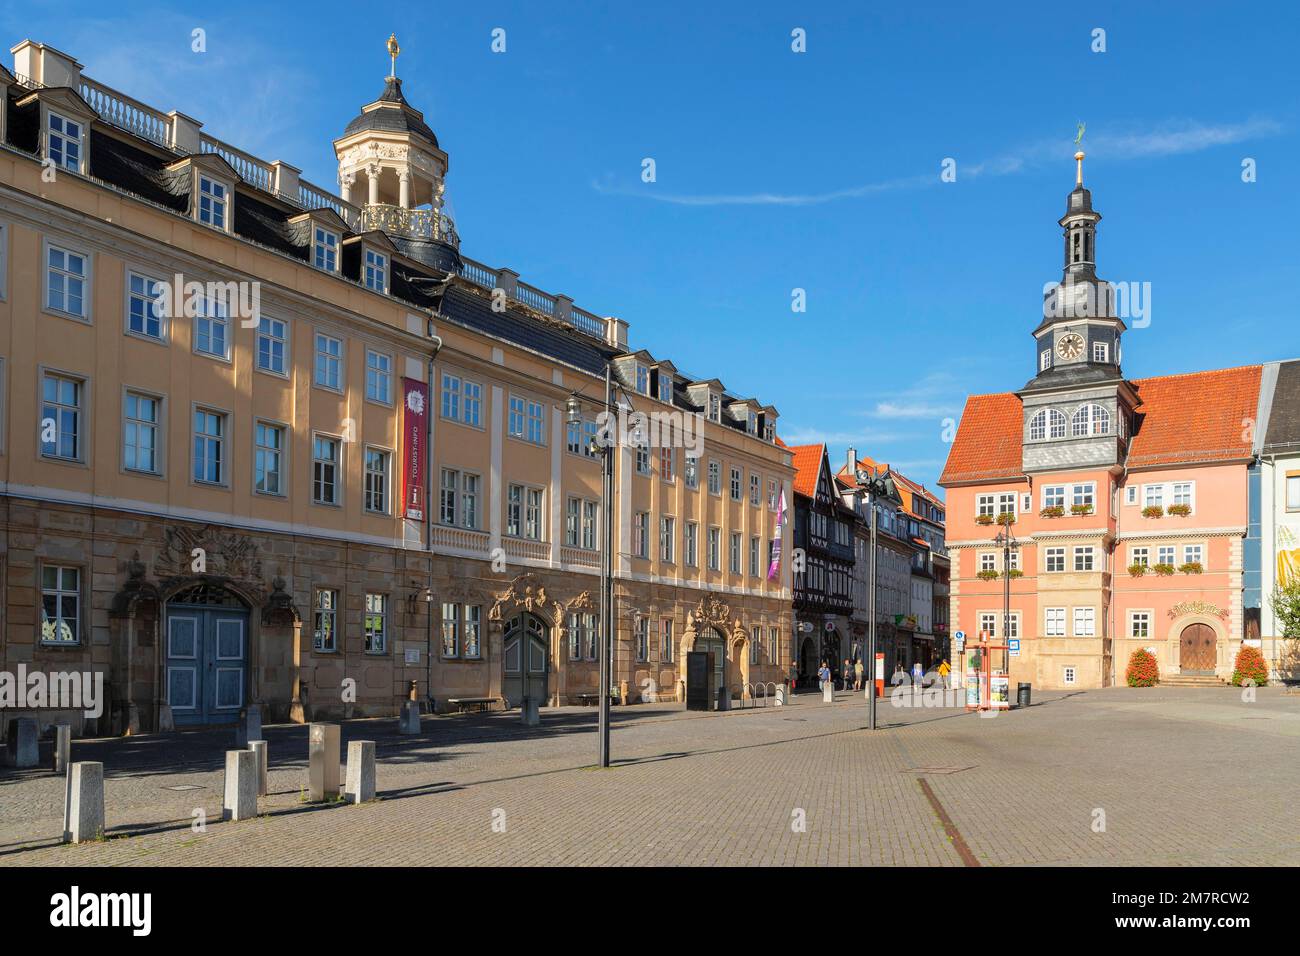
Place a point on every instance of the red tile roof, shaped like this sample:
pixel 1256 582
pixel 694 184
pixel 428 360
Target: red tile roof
pixel 987 446
pixel 1193 417
pixel 1199 416
pixel 807 465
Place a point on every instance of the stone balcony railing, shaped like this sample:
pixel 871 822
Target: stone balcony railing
pixel 415 223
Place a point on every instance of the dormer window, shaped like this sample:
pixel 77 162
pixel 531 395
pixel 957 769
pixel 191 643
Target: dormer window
pixel 642 379
pixel 64 142
pixel 325 249
pixel 214 198
pixel 715 408
pixel 769 434
pixel 376 271
pixel 1044 360
pixel 751 426
pixel 665 387
pixel 1100 352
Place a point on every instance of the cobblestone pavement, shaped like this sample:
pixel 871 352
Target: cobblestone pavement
pixel 1165 776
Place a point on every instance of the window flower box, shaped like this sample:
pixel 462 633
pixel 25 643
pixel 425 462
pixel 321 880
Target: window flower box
pixel 1080 509
pixel 1137 569
pixel 1182 511
pixel 1191 567
pixel 1153 511
pixel 983 519
pixel 1052 511
pixel 1007 517
pixel 987 575
pixel 1164 570
pixel 1015 573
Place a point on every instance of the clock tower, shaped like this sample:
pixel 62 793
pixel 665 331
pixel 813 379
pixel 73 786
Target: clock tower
pixel 1077 408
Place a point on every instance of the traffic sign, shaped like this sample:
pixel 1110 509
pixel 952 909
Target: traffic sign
pixel 1013 645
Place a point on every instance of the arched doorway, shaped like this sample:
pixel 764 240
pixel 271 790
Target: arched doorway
pixel 710 640
pixel 206 655
pixel 808 663
pixel 1197 649
pixel 832 651
pixel 525 662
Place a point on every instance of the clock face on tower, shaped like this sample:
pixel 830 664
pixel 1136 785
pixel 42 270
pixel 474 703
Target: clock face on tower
pixel 1070 346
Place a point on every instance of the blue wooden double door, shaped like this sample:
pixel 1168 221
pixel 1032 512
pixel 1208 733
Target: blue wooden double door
pixel 206 663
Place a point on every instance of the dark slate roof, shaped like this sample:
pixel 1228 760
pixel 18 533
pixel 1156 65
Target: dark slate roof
pixel 1283 431
pixel 404 119
pixel 1074 375
pixel 434 254
pixel 475 312
pixel 24 124
pixel 137 172
pixel 268 225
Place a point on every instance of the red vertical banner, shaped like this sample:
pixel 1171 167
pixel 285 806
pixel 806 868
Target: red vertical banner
pixel 415 412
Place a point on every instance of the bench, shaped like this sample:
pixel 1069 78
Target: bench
pixel 467 704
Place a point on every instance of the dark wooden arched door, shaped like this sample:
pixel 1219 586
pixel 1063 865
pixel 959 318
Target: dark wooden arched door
pixel 1197 649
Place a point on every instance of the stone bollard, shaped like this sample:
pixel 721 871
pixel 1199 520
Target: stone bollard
pixel 249 727
pixel 241 786
pixel 23 746
pixel 361 771
pixel 409 721
pixel 259 747
pixel 62 747
pixel 828 692
pixel 724 698
pixel 84 817
pixel 529 714
pixel 166 720
pixel 780 696
pixel 323 762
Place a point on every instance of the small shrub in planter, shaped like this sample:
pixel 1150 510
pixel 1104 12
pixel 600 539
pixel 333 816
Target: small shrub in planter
pixel 1191 567
pixel 1137 569
pixel 1153 511
pixel 1052 511
pixel 983 519
pixel 1164 570
pixel 1181 511
pixel 1080 509
pixel 1015 573
pixel 1250 666
pixel 1143 671
pixel 987 575
pixel 1007 517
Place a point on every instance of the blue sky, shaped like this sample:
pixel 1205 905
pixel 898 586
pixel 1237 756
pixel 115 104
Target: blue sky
pixel 817 171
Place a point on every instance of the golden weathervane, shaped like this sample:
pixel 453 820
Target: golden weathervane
pixel 393 51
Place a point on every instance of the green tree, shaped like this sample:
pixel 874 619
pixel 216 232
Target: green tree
pixel 1286 605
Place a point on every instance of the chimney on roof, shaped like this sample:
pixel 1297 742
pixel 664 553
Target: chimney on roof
pixel 852 463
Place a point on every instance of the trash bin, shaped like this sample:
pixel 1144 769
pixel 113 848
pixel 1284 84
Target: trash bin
pixel 1022 694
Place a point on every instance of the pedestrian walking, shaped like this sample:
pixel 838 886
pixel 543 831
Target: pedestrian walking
pixel 823 676
pixel 917 674
pixel 944 671
pixel 844 674
pixel 857 674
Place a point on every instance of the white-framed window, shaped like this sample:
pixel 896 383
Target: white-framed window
pixel 469 495
pixel 1044 360
pixel 642 379
pixel 1165 554
pixel 1084 558
pixel 379 377
pixel 1068 676
pixel 376 480
pixel 772 500
pixel 715 407
pixel 1090 420
pixel 691 544
pixel 1130 495
pixel 472 619
pixel 665 387
pixel 755 546
pixel 329 362
pixel 668 539
pixel 1293 492
pixel 755 490
pixel 1185 493
pixel 209 446
pixel 141 428
pixel 715 477
pixel 142 316
pixel 640 534
pixel 755 643
pixel 536 423
pixel 641 632
pixel 268 458
pixel 1054 622
pixel 667 649
pixel 524 512
pixel 64 142
pixel 325 616
pixel 1053 496
pixel 67 275
pixel 450 629
pixel 325 460
pixel 1140 624
pixel 986 505
pixel 1100 352
pixel 325 249
pixel 715 549
pixel 988 561
pixel 212 329
pixel 736 477
pixel 1084 494
pixel 1055 559
pixel 375 623
pixel 666 461
pixel 988 623
pixel 1012 627
pixel 60 604
pixel 448 487
pixel 1139 555
pixel 691 471
pixel 214 202
pixel 773 644
pixel 1085 622
pixel 1047 423
pixel 375 271
pixel 1193 554
pixel 272 345
pixel 733 553
pixel 1153 496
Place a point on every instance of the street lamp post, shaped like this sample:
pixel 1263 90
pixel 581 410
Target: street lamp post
pixel 875 486
pixel 1008 543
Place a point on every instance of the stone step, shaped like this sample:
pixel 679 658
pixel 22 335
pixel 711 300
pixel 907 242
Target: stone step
pixel 1190 680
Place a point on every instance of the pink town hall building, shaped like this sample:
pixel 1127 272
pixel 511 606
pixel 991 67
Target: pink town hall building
pixel 1126 500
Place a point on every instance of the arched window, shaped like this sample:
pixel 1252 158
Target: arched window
pixel 1090 420
pixel 1049 422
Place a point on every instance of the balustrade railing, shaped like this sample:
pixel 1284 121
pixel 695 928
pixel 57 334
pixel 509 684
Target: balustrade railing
pixel 251 169
pixel 125 113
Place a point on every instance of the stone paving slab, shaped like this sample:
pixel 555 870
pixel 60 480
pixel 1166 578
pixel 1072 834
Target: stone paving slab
pixel 1171 776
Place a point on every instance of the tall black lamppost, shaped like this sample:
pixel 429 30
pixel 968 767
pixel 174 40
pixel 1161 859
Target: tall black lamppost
pixel 604 444
pixel 875 486
pixel 1009 545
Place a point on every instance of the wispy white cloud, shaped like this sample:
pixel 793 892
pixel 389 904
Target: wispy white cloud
pixel 910 410
pixel 817 436
pixel 1170 138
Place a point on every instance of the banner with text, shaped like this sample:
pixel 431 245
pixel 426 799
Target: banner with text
pixel 415 409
